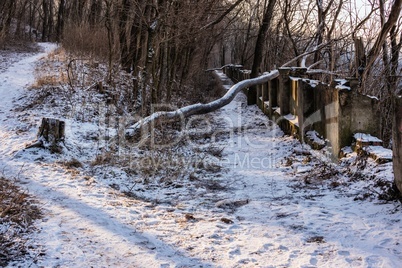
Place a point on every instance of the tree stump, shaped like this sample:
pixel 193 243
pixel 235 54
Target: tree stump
pixel 51 130
pixel 51 133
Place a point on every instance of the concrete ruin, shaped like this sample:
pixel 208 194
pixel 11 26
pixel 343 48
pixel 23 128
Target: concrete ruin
pixel 299 105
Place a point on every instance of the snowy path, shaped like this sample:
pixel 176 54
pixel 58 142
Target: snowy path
pixel 82 226
pixel 261 219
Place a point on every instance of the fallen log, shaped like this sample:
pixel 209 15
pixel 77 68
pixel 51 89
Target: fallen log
pixel 144 124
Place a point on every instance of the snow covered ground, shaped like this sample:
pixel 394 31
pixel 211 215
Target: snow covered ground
pixel 267 201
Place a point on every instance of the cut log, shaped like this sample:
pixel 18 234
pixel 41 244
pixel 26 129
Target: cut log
pixel 51 133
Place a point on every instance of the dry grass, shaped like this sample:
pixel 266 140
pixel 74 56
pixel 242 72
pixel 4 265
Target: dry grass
pixel 15 204
pixel 72 163
pixel 17 214
pixel 52 70
pixel 106 158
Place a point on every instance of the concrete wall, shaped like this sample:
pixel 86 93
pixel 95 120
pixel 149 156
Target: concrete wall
pixel 335 111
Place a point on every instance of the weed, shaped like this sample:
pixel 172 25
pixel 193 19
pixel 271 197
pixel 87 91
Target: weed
pixel 227 221
pixel 73 163
pixel 316 239
pixel 50 72
pixel 102 159
pixel 17 212
pixel 390 192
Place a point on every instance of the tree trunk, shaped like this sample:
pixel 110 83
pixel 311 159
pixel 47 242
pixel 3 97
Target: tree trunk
pixel 395 51
pixel 20 31
pixel 60 21
pixel 10 15
pixel 95 12
pixel 110 31
pixel 385 30
pixel 397 143
pixel 360 57
pixel 260 49
pixel 123 36
pixel 45 21
pixel 50 22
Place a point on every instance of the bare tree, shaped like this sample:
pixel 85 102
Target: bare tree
pixel 259 48
pixel 7 11
pixel 60 21
pixel 385 30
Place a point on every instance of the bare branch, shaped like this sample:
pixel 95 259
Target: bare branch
pixel 221 17
pixel 375 50
pixel 308 53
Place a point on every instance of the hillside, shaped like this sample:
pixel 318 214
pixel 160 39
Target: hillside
pixel 228 190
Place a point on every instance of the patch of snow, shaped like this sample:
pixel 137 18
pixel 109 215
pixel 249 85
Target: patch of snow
pixel 277 110
pixel 315 137
pixel 380 152
pixel 294 119
pixel 312 83
pixel 366 138
pixel 347 150
pixel 341 84
pixel 266 104
pixel 293 78
pixel 373 97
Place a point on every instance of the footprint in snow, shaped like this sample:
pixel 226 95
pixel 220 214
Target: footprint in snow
pixel 235 252
pixel 344 253
pixel 313 261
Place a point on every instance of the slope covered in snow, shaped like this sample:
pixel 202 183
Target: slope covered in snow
pixel 252 198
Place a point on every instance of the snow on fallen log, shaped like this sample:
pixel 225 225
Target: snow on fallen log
pixel 199 108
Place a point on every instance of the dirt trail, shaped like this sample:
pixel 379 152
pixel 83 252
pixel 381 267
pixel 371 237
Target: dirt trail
pixel 81 227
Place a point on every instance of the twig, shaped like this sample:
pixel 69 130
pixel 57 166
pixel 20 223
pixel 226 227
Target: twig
pixel 221 68
pixel 308 53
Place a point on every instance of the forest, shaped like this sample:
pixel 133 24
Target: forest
pixel 167 45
